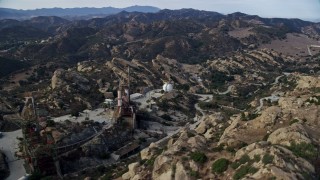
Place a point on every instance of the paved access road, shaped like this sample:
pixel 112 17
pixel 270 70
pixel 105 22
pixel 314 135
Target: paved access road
pixel 9 145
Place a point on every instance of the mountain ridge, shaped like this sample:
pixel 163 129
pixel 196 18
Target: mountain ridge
pixel 70 13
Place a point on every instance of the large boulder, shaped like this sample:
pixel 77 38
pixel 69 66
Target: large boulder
pixel 181 172
pixel 85 66
pixel 209 121
pixel 197 141
pixel 133 168
pixel 287 135
pixel 268 117
pixel 148 152
pixel 162 168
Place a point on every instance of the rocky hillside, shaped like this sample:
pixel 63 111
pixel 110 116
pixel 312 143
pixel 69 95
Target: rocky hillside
pixel 85 85
pixel 281 143
pixel 90 81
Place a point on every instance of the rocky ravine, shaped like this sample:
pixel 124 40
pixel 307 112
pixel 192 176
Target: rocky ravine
pixel 281 143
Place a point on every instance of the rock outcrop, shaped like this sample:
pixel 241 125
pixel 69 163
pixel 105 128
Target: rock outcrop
pixel 274 161
pixel 62 79
pixel 285 136
pixel 306 82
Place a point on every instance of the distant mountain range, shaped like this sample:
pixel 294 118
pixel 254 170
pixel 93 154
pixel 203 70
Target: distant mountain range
pixel 71 13
pixel 187 35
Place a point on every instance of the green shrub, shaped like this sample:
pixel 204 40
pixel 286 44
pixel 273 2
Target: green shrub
pixel 304 150
pixel 104 155
pixel 235 165
pixel 257 158
pixel 75 113
pixel 50 123
pixel 199 157
pixel 252 116
pixel 231 149
pixel 249 117
pixel 142 161
pixel 194 174
pixel 294 121
pixel 166 117
pixel 173 167
pixel 244 159
pixel 313 101
pixel 150 162
pixel 184 158
pixel 306 175
pixel 208 105
pixel 267 159
pixel 101 168
pixel 220 165
pixel 265 138
pixel 190 134
pixel 218 148
pixel 35 175
pixel 243 171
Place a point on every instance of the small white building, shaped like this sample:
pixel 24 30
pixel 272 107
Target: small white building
pixel 108 102
pixel 167 87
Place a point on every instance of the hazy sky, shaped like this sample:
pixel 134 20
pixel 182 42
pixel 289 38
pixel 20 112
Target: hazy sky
pixel 305 9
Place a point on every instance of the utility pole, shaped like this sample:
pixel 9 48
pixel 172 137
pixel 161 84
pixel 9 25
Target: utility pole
pixel 129 84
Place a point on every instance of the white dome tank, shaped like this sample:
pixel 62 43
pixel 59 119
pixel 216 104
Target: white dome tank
pixel 167 87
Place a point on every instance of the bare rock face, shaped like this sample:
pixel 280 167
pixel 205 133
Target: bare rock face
pixel 133 168
pixel 56 81
pixel 298 108
pixel 148 152
pixel 27 111
pixel 84 66
pixel 162 168
pixel 181 172
pixel 211 120
pixel 282 164
pixel 137 177
pixel 227 137
pixel 197 141
pixel 284 136
pixel 194 166
pixel 269 116
pixel 306 82
pixel 62 78
pixel 202 128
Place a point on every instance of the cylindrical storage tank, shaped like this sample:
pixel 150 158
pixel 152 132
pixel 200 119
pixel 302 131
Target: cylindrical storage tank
pixel 167 87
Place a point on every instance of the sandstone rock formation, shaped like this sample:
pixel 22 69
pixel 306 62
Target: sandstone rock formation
pixel 285 136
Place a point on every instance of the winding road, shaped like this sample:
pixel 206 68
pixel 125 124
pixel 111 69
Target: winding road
pixel 275 96
pixel 227 91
